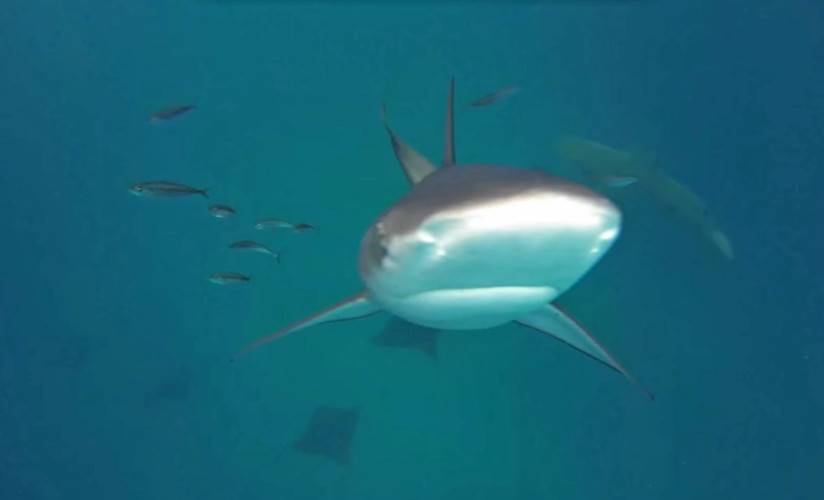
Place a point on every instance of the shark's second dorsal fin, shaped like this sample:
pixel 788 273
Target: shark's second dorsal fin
pixel 449 128
pixel 415 165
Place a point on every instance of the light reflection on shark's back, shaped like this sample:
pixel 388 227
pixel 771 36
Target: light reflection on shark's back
pixel 484 242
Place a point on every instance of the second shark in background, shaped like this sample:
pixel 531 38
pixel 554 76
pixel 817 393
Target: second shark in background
pixel 614 168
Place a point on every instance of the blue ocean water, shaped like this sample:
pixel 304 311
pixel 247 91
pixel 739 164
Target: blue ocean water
pixel 114 346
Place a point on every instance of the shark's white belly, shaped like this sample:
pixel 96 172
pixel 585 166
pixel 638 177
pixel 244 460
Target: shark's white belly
pixel 466 309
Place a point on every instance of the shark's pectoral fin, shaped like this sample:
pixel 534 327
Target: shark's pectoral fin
pixel 415 165
pixel 356 306
pixel 552 321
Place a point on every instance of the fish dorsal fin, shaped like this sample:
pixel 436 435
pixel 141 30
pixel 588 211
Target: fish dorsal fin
pixel 449 128
pixel 415 165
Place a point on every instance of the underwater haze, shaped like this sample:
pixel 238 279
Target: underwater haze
pixel 116 333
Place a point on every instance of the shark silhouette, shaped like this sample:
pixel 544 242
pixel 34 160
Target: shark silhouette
pixel 610 167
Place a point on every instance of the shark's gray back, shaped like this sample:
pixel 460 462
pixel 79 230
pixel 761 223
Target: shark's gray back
pixel 468 186
pixel 476 227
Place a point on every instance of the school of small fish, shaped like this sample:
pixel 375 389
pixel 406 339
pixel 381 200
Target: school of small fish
pixel 170 189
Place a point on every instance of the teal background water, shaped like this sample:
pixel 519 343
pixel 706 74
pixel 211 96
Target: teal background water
pixel 114 380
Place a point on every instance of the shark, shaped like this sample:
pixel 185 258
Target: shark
pixel 602 164
pixel 610 167
pixel 475 246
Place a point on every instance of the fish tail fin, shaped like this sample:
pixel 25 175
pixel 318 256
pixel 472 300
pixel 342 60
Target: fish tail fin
pixel 204 192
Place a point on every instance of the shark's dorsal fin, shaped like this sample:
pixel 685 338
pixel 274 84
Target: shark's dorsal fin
pixel 415 165
pixel 449 128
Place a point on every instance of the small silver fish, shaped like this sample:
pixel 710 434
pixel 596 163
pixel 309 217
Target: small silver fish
pixel 302 226
pixel 170 113
pixel 279 223
pixel 165 189
pixel 222 211
pixel 271 223
pixel 255 247
pixel 494 96
pixel 229 278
